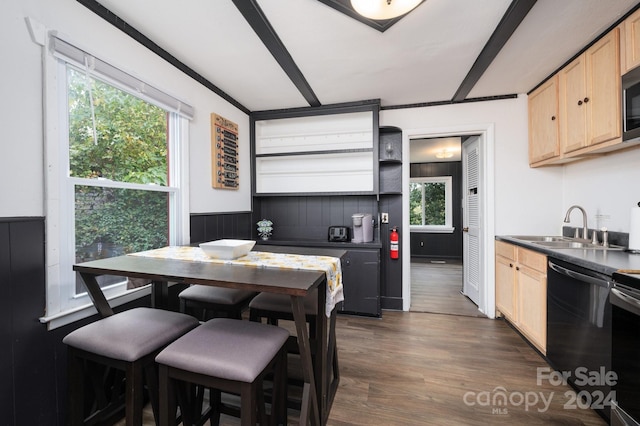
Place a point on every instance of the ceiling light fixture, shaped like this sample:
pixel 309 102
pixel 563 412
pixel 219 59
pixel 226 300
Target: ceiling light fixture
pixel 383 9
pixel 445 153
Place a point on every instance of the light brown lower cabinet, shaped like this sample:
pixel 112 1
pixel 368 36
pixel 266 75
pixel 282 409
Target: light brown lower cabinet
pixel 521 291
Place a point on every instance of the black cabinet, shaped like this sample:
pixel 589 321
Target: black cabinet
pixel 390 202
pixel 361 281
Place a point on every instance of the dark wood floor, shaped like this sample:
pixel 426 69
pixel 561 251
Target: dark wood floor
pixel 411 368
pixel 445 368
pixel 435 288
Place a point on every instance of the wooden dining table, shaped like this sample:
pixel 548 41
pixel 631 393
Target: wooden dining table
pixel 321 376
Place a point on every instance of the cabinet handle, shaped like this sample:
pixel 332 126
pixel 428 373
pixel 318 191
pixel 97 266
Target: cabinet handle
pixel 465 229
pixel 586 100
pixel 517 268
pixel 553 117
pixel 580 102
pixel 511 265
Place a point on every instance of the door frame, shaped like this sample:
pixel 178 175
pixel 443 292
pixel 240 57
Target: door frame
pixel 487 232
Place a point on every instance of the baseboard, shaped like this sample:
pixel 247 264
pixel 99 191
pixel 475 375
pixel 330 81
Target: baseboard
pixel 392 303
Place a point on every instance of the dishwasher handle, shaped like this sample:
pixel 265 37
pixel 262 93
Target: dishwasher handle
pixel 625 301
pixel 590 279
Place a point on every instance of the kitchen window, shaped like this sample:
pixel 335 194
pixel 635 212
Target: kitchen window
pixel 120 156
pixel 430 204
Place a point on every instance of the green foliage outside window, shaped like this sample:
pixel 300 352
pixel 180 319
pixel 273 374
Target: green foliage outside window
pixel 427 203
pixel 130 146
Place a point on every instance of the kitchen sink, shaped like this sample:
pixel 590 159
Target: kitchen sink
pixel 559 242
pixel 541 238
pixel 566 244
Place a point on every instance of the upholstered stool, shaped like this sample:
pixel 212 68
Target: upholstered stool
pixel 127 341
pixel 215 301
pixel 227 355
pixel 275 307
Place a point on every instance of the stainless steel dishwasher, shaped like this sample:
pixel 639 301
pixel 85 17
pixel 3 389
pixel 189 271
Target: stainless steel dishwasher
pixel 625 349
pixel 579 329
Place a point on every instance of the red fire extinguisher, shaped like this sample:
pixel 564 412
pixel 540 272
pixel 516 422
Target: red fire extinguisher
pixel 393 247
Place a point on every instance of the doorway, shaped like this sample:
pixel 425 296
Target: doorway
pixel 451 270
pixel 437 194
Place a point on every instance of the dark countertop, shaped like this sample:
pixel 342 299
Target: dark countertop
pixel 322 243
pixel 312 251
pixel 603 261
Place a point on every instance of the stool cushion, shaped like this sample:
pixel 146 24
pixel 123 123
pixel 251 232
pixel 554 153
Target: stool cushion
pixel 219 295
pixel 226 348
pixel 282 303
pixel 132 334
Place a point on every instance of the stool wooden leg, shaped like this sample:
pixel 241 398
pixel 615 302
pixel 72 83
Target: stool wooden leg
pixel 248 404
pixel 167 400
pixel 258 389
pixel 215 402
pixel 151 376
pixel 280 396
pixel 134 394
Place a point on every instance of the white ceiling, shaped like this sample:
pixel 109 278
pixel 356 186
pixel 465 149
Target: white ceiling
pixel 422 58
pixel 427 150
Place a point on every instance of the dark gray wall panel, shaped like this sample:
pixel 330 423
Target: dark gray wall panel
pixel 215 226
pixel 309 218
pixel 441 245
pixel 33 382
pixel 30 336
pixel 6 325
pixel 391 269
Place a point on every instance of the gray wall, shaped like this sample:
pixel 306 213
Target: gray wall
pixel 440 245
pixel 33 377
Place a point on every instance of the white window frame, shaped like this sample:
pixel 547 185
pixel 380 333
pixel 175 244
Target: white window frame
pixel 63 305
pixel 448 194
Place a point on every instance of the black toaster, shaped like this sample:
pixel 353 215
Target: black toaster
pixel 338 233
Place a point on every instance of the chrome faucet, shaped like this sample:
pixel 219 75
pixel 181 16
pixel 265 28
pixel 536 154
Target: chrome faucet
pixel 584 220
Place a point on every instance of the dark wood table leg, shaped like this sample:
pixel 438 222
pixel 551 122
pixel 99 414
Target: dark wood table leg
pixel 159 294
pixel 309 396
pixel 332 370
pixel 96 295
pixel 321 365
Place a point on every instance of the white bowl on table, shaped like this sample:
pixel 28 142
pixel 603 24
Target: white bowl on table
pixel 227 249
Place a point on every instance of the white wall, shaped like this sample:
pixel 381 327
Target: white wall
pixel 21 146
pixel 526 200
pixel 607 186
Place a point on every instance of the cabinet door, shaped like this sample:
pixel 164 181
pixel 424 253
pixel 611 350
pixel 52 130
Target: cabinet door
pixel 532 306
pixel 572 85
pixel 506 288
pixel 361 280
pixel 543 122
pixel 631 41
pixel 603 99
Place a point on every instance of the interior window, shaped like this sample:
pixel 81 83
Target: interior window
pixel 430 204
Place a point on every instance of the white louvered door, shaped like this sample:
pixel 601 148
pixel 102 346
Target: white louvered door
pixel 472 192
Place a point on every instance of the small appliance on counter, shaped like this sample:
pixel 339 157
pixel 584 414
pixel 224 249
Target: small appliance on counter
pixel 362 228
pixel 634 230
pixel 339 234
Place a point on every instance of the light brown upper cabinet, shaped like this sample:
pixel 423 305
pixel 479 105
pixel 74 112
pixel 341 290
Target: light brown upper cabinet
pixel 543 122
pixel 630 42
pixel 589 94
